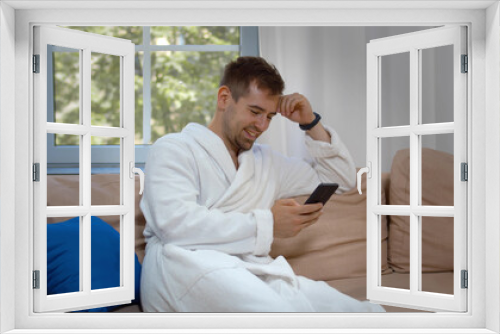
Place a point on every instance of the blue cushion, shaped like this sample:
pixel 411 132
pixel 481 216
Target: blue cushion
pixel 63 264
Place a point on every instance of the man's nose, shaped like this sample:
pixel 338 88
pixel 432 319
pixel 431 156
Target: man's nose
pixel 262 123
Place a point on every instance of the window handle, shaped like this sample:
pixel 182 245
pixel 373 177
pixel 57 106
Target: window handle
pixel 135 170
pixel 368 171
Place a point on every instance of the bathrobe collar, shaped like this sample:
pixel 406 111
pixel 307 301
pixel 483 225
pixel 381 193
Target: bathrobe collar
pixel 216 148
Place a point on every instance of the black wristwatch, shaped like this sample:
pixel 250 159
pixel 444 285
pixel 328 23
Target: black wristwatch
pixel 311 125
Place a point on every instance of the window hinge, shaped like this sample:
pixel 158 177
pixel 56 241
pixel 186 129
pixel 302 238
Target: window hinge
pixel 465 64
pixel 36 172
pixel 465 171
pixel 36 63
pixel 465 279
pixel 36 279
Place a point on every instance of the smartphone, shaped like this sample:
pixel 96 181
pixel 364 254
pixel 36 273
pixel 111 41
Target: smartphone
pixel 322 193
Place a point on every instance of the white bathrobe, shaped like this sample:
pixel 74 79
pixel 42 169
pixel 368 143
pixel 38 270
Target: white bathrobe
pixel 209 226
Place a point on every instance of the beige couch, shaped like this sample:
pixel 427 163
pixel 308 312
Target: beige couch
pixel 334 249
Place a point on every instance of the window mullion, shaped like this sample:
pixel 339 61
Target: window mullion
pixel 146 86
pixel 249 41
pixel 85 173
pixel 415 239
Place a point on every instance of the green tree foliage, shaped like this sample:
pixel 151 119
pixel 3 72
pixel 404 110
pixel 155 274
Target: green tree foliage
pixel 66 88
pixel 184 88
pixel 183 84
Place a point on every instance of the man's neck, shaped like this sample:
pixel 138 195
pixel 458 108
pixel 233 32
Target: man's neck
pixel 233 152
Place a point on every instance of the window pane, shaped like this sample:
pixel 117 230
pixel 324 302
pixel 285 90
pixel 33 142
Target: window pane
pixel 133 34
pixel 437 254
pixel 437 84
pixel 395 89
pixel 105 187
pixel 384 236
pixel 63 85
pixel 184 88
pixel 63 190
pixel 63 255
pixel 105 141
pixel 105 252
pixel 195 35
pixel 437 170
pixel 105 89
pixel 395 156
pixel 399 253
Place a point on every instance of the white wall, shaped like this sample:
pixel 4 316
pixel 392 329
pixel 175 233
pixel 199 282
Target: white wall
pixel 7 171
pixel 328 65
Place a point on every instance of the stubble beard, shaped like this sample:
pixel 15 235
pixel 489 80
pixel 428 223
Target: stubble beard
pixel 235 135
pixel 241 142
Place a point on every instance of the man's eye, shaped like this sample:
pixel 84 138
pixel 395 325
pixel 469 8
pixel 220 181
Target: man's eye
pixel 254 112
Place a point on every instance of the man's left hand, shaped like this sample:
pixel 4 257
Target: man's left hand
pixel 296 108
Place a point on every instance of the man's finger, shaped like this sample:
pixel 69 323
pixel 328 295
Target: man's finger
pixel 309 208
pixel 289 106
pixel 289 202
pixel 280 104
pixel 293 104
pixel 307 218
pixel 284 106
pixel 308 223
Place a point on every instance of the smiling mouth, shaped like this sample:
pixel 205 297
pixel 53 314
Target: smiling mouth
pixel 251 134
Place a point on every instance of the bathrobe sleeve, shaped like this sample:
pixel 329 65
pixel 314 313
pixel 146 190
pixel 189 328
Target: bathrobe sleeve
pixel 171 206
pixel 331 163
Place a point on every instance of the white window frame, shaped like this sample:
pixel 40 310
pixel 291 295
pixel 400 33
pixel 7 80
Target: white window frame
pixel 85 43
pixel 413 44
pixel 484 144
pixel 64 159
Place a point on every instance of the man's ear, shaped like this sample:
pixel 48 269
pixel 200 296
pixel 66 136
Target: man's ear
pixel 223 97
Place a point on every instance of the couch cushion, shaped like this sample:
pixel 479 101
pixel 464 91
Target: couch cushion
pixel 64 190
pixel 437 232
pixel 335 246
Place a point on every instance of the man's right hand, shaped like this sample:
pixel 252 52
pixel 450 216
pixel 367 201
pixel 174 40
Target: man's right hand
pixel 291 217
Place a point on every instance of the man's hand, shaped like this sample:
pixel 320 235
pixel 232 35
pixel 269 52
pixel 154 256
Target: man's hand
pixel 290 217
pixel 296 107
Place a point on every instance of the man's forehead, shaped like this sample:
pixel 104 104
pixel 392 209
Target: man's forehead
pixel 260 98
pixel 262 94
pixel 254 89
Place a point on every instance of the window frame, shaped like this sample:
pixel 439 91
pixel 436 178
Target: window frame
pixel 65 158
pixel 413 44
pixel 484 145
pixel 86 296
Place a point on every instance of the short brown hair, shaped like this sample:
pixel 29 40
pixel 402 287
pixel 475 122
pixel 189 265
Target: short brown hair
pixel 240 73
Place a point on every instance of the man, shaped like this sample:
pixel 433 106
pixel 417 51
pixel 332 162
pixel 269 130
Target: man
pixel 214 200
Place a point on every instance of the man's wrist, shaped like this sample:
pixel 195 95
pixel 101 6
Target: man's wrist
pixel 312 124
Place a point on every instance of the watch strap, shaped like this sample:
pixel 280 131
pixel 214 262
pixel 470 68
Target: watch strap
pixel 311 125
